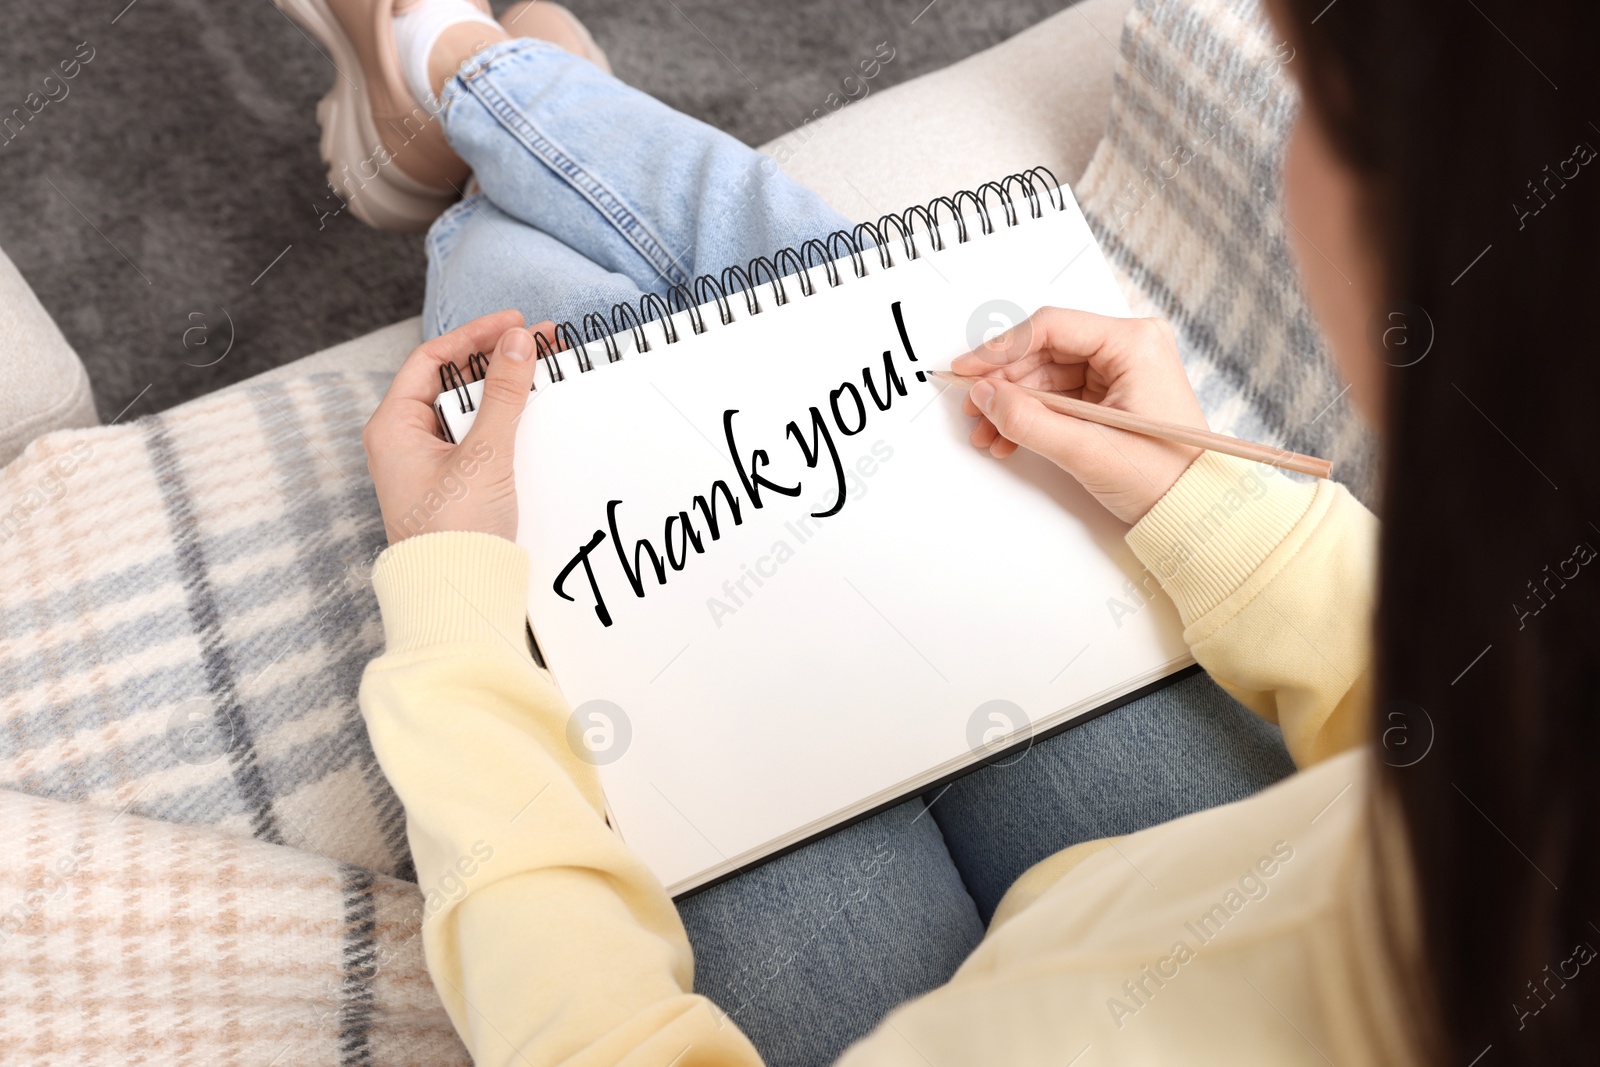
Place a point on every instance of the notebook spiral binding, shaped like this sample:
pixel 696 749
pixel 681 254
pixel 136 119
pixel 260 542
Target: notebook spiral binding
pixel 828 254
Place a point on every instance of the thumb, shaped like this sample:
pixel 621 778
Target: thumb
pixel 505 389
pixel 1021 419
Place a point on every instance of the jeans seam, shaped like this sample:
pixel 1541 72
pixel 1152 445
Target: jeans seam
pixel 607 202
pixel 447 226
pixel 433 318
pixel 955 864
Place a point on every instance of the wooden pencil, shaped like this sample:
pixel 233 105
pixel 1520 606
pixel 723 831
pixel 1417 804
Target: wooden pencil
pixel 1166 431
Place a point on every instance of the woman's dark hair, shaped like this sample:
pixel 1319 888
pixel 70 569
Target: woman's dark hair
pixel 1472 126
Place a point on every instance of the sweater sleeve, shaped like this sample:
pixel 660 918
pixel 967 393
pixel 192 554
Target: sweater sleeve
pixel 548 941
pixel 1275 581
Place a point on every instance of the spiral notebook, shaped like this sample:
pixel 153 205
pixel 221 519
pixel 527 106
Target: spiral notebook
pixel 777 584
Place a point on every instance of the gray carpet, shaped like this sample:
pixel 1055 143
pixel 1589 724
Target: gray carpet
pixel 172 184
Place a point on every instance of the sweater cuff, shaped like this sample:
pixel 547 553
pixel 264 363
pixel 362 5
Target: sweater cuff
pixel 453 586
pixel 1215 526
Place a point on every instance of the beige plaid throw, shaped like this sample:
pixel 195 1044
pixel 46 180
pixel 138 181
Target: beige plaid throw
pixel 199 854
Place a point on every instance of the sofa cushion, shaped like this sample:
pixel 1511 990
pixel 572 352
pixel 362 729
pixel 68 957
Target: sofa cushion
pixel 43 386
pixel 1040 98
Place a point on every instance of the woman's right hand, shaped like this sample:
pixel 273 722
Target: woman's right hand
pixel 1129 364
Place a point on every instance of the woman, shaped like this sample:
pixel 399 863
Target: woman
pixel 1438 908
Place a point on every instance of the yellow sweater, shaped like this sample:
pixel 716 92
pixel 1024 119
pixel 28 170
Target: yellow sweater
pixel 1235 935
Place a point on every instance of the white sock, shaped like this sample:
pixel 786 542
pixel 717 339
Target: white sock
pixel 416 32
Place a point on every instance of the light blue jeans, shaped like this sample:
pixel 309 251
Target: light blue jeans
pixel 591 194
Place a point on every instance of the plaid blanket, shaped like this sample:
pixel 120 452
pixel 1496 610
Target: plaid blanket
pixel 201 860
pixel 1183 196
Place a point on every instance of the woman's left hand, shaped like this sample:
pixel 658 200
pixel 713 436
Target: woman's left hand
pixel 425 483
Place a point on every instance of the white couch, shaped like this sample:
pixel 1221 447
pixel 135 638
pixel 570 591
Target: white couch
pixel 1039 98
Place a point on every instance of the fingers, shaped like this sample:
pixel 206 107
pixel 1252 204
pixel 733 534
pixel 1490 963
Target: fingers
pixel 418 376
pixel 1055 378
pixel 984 435
pixel 1020 419
pixel 505 390
pixel 1050 335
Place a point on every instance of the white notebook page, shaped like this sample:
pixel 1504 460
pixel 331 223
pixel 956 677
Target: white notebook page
pixel 797 671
